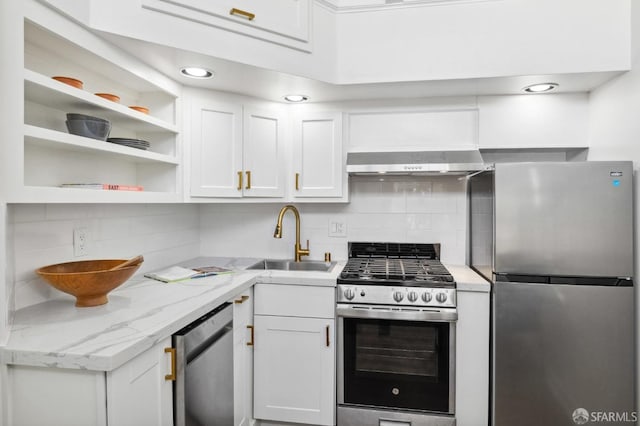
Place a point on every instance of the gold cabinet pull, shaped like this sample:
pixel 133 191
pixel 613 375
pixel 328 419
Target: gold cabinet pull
pixel 248 180
pixel 241 300
pixel 250 343
pixel 327 334
pixel 171 376
pixel 297 181
pixel 239 12
pixel 240 180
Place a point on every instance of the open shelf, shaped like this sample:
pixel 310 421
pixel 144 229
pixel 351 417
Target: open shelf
pixel 46 138
pixel 52 93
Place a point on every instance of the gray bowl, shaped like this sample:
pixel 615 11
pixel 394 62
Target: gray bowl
pixel 77 116
pixel 89 128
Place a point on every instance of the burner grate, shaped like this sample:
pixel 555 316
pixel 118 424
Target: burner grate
pixel 383 269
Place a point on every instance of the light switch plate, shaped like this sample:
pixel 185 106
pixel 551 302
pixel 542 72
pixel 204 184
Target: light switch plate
pixel 337 227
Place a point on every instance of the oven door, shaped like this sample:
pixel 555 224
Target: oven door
pixel 398 358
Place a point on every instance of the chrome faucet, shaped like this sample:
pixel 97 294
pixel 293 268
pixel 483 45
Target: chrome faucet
pixel 299 251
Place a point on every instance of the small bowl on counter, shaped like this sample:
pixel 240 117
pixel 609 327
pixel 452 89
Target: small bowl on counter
pixel 88 280
pixel 88 126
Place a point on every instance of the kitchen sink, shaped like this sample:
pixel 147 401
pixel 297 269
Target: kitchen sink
pixel 290 265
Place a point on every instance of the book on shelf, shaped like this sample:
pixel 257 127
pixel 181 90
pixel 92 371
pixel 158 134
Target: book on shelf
pixel 178 273
pixel 103 186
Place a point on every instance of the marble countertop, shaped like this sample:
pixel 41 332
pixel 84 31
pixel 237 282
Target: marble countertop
pixel 467 279
pixel 139 314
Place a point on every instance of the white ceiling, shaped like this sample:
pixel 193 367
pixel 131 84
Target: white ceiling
pixel 273 85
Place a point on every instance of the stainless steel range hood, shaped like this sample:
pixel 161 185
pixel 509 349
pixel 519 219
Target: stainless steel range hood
pixel 415 162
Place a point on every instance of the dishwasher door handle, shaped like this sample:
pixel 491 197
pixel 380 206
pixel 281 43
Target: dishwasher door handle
pixel 171 376
pixel 250 343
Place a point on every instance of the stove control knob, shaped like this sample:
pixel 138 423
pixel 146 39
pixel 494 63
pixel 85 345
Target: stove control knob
pixel 398 296
pixel 412 296
pixel 426 297
pixel 441 297
pixel 349 293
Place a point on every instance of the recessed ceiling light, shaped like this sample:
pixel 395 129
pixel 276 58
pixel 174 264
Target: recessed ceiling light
pixel 296 98
pixel 540 87
pixel 196 72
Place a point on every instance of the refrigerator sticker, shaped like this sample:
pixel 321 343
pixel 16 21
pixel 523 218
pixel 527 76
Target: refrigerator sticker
pixel 615 174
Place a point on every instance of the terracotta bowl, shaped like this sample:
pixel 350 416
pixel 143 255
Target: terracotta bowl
pixel 88 280
pixel 70 81
pixel 109 96
pixel 141 109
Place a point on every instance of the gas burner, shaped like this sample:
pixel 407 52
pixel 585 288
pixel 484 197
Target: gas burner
pixel 404 274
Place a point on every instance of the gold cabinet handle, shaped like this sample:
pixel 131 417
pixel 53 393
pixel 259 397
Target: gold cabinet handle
pixel 250 327
pixel 327 334
pixel 297 181
pixel 248 180
pixel 240 180
pixel 241 300
pixel 171 376
pixel 239 12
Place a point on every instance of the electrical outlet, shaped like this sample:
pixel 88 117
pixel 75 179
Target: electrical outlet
pixel 80 241
pixel 337 227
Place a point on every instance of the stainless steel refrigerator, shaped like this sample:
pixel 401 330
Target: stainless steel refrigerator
pixel 556 241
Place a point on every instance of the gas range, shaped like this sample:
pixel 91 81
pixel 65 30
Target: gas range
pixel 402 274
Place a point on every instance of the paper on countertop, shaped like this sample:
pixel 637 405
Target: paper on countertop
pixel 172 274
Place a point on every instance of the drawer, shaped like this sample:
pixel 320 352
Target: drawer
pixel 295 300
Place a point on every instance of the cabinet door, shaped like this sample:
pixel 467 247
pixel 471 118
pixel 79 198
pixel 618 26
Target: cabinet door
pixel 216 149
pixel 263 154
pixel 280 21
pixel 294 370
pixel 138 393
pixel 317 154
pixel 243 358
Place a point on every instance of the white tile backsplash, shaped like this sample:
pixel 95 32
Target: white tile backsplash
pixel 43 234
pixel 395 209
pixel 426 209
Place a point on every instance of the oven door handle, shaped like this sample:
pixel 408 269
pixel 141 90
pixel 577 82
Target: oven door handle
pixel 394 313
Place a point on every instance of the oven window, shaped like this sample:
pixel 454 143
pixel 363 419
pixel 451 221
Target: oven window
pixel 396 364
pixel 396 348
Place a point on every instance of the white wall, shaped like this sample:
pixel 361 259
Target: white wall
pixel 42 234
pixel 398 209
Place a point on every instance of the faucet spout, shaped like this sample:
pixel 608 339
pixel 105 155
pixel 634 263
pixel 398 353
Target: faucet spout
pixel 299 251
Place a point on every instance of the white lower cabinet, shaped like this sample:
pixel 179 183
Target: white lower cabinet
pixel 294 356
pixel 136 393
pixel 139 392
pixel 243 358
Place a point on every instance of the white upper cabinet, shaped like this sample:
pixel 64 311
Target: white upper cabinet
pixel 318 155
pixel 216 149
pixel 236 151
pixel 48 156
pixel 534 121
pixel 263 154
pixel 413 130
pixel 284 22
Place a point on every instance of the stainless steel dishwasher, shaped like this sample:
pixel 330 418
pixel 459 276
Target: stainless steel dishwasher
pixel 203 390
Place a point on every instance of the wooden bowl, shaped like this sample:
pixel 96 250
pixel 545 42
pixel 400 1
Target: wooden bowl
pixel 141 109
pixel 109 96
pixel 70 81
pixel 88 280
